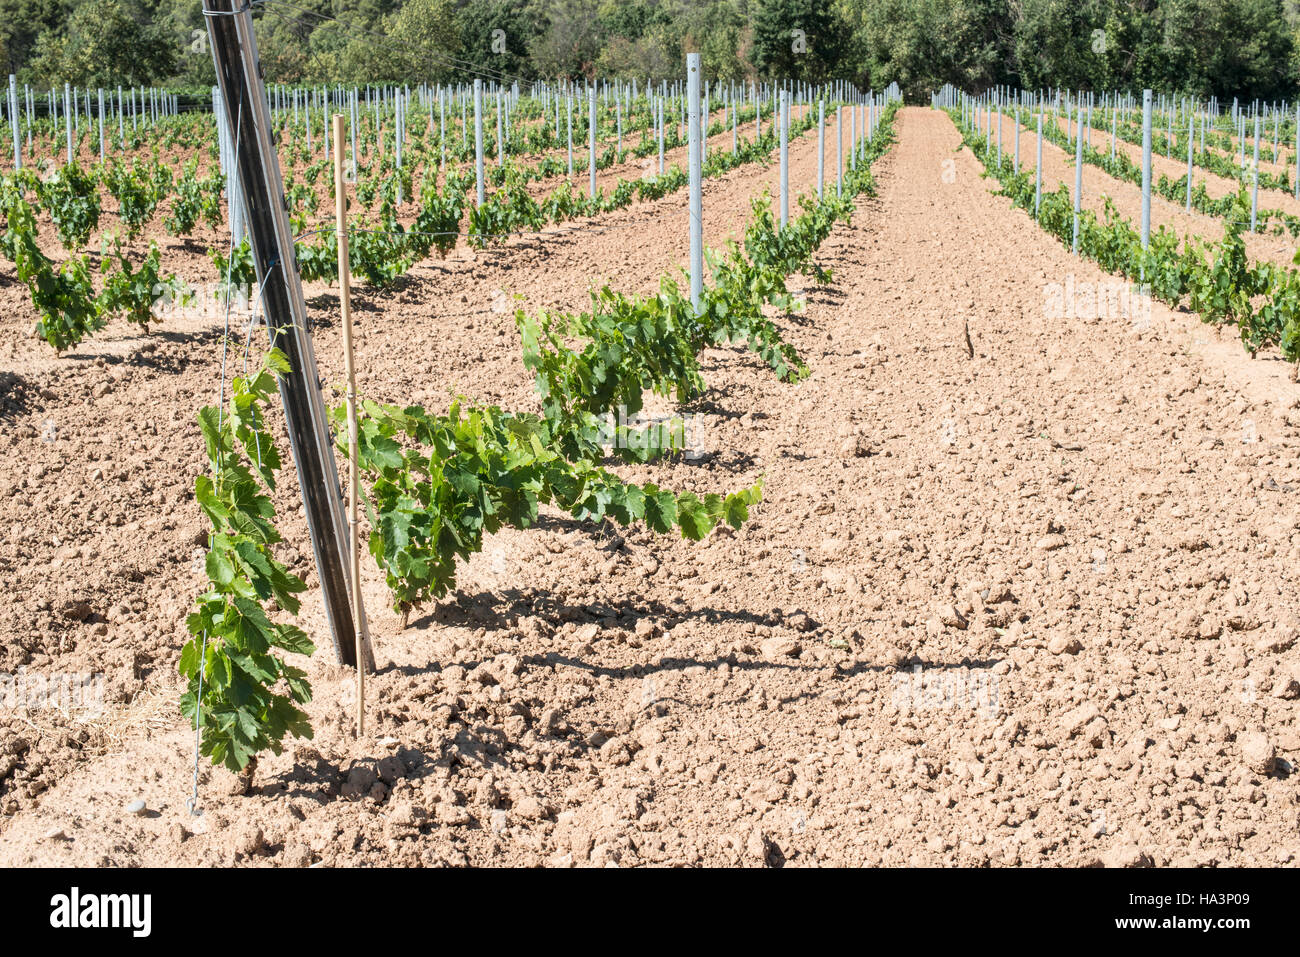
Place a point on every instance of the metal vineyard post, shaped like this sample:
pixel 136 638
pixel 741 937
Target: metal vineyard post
pixel 13 122
pixel 280 291
pixel 1038 165
pixel 660 105
pixel 853 137
pixel 1015 129
pixel 67 117
pixel 998 107
pixel 735 137
pixel 839 150
pixel 1146 168
pixel 695 162
pixel 398 120
pixel 821 145
pixel 784 124
pixel 1254 192
pixel 478 141
pixel 501 148
pixel 1078 188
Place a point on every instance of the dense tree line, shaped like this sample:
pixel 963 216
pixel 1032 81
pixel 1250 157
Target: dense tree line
pixel 1245 48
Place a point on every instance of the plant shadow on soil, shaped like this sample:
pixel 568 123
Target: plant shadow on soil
pixel 324 306
pixel 426 284
pixel 317 778
pixel 827 294
pixel 506 608
pixel 709 403
pixel 15 396
pixel 169 362
pixel 148 349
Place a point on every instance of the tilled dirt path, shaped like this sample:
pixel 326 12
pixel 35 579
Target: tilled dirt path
pixel 1033 605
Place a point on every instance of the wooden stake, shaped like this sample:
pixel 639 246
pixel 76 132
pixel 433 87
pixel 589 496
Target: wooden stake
pixel 345 303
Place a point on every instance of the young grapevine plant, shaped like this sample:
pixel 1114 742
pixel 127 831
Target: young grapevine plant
pixel 72 198
pixel 138 190
pixel 438 483
pixel 198 199
pixel 242 694
pixel 64 296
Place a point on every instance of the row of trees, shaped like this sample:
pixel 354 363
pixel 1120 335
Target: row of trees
pixel 1244 48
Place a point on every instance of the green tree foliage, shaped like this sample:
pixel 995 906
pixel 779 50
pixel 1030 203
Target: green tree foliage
pixel 1235 47
pixel 721 34
pixel 22 22
pixel 798 39
pixel 922 44
pixel 570 44
pixel 1230 48
pixel 106 42
pixel 507 52
pixel 427 47
pixel 1055 43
